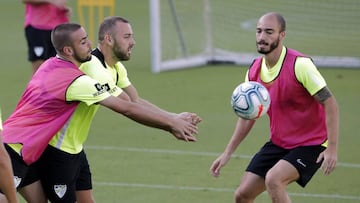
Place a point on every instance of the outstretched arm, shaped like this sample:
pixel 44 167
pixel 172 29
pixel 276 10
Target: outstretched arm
pixel 133 94
pixel 181 129
pixel 60 3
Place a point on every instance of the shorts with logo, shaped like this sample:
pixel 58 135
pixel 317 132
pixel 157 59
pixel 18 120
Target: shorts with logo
pixel 23 174
pixel 39 44
pixel 63 174
pixel 302 158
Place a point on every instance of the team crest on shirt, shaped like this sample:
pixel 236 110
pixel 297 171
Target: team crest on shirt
pixel 38 51
pixel 60 190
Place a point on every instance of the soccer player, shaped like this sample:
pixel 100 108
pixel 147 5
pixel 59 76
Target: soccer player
pixel 116 40
pixel 304 119
pixel 41 16
pixel 50 100
pixel 7 185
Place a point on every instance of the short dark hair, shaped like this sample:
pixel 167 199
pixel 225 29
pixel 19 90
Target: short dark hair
pixel 108 24
pixel 60 35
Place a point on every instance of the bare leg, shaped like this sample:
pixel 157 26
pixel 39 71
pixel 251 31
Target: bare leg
pixel 277 178
pixel 36 64
pixel 250 187
pixel 84 196
pixel 33 193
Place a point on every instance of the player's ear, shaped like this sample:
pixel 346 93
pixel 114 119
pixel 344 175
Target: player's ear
pixel 68 50
pixel 282 34
pixel 108 39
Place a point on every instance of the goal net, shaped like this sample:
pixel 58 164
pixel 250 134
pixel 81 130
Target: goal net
pixel 190 33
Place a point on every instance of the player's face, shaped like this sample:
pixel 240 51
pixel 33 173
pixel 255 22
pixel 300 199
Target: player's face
pixel 268 35
pixel 81 46
pixel 123 41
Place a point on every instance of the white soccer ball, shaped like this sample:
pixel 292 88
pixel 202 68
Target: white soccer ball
pixel 250 100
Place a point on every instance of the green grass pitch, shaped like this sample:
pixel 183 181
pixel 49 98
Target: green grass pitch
pixel 132 163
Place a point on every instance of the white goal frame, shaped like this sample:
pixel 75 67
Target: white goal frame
pixel 213 55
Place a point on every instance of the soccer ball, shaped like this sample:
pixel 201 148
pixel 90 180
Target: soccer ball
pixel 250 100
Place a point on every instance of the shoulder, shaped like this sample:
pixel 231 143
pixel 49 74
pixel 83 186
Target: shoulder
pixel 308 75
pixel 120 67
pixel 304 65
pixel 91 66
pixel 87 90
pixel 83 82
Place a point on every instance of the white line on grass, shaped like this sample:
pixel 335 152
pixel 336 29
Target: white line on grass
pixel 180 152
pixel 188 188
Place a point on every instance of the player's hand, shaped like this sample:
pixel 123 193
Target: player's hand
pixel 184 130
pixel 190 117
pixel 218 164
pixel 329 160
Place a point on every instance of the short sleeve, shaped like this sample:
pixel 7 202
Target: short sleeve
pixel 308 75
pixel 105 76
pixel 123 80
pixel 87 90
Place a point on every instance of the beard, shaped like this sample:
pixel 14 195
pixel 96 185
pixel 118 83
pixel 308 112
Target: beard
pixel 273 46
pixel 121 55
pixel 82 59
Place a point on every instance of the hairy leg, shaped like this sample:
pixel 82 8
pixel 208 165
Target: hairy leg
pixel 250 187
pixel 84 196
pixel 33 193
pixel 36 64
pixel 277 178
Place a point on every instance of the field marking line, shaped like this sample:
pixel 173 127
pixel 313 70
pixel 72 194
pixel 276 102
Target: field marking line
pixel 181 152
pixel 191 188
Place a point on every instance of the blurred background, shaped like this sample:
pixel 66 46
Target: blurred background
pixel 132 163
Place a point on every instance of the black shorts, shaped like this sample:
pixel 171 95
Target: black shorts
pixel 302 158
pixel 23 174
pixel 63 174
pixel 39 44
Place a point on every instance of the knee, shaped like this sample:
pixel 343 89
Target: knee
pixel 273 183
pixel 242 195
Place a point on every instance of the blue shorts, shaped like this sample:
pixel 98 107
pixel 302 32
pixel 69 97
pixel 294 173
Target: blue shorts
pixel 62 174
pixel 302 158
pixel 39 44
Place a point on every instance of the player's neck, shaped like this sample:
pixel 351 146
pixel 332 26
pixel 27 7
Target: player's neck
pixel 109 59
pixel 63 58
pixel 272 58
pixel 68 59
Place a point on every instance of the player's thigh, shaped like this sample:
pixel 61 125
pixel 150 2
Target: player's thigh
pixel 251 185
pixel 282 172
pixel 59 173
pixel 39 44
pixel 23 174
pixel 33 193
pixel 304 159
pixel 84 196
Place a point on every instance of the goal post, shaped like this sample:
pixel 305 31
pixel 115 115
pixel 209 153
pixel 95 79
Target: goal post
pixel 191 33
pixel 92 12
